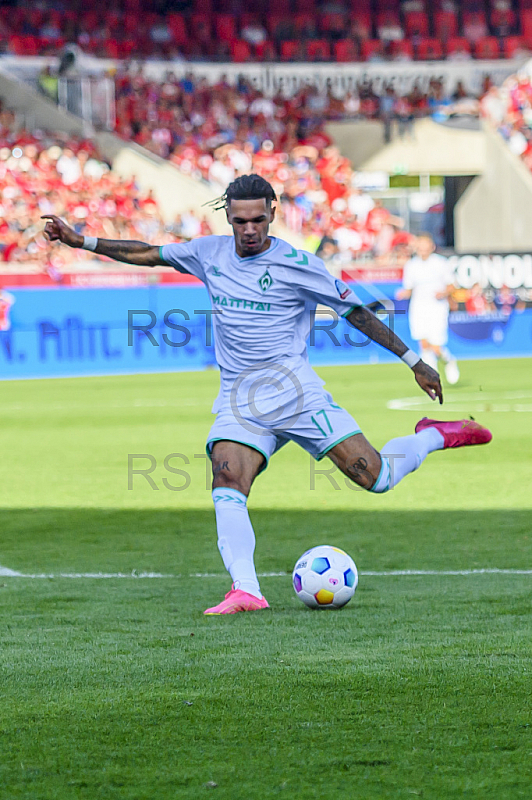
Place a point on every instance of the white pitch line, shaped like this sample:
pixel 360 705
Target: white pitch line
pixel 9 573
pixel 27 407
pixel 394 573
pixel 72 575
pixel 406 572
pixel 478 402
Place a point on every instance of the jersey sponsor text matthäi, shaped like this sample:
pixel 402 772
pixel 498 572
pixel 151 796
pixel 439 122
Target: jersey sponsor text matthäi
pixel 266 303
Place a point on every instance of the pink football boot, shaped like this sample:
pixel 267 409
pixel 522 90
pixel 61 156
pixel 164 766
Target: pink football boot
pixel 457 434
pixel 236 600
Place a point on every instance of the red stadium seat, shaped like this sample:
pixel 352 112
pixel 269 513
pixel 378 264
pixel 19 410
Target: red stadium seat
pixel 416 22
pixel 178 28
pixel 131 25
pixel 113 21
pixel 273 22
pixel 289 50
pixel 240 51
pixel 56 17
pixel 126 47
pixel 362 22
pixel 37 17
pixel 265 51
pixel 50 44
pixel 332 23
pixel 345 50
pixel 370 47
pixel 225 27
pixel 513 44
pixel 389 17
pixel 402 47
pixel 458 44
pixel 502 19
pixel 318 50
pixel 430 50
pixel 526 24
pixel 92 45
pixel 112 49
pixel 305 22
pixel 200 27
pixel 24 45
pixel 487 47
pixel 145 46
pixel 363 17
pixel 445 24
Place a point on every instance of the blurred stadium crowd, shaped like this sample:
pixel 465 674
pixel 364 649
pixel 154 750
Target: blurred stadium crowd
pixel 42 174
pixel 164 115
pixel 52 174
pixel 285 30
pixel 509 109
pixel 215 134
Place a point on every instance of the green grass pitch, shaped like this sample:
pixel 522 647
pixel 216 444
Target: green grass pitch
pixel 120 688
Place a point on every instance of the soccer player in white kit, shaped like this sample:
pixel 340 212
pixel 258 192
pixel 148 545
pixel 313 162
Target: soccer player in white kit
pixel 428 283
pixel 264 294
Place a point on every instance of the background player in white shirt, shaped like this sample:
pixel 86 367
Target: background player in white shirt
pixel 264 294
pixel 428 284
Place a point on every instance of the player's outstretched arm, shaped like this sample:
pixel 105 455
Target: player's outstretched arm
pixel 139 253
pixel 365 321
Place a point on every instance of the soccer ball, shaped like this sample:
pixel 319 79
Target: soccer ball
pixel 325 577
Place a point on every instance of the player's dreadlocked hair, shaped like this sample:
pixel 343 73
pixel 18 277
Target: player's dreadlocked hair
pixel 246 187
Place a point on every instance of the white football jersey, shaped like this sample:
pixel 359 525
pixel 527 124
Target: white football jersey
pixel 264 305
pixel 426 279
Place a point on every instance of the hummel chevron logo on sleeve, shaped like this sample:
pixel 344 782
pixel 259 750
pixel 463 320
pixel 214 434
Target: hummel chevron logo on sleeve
pixel 294 253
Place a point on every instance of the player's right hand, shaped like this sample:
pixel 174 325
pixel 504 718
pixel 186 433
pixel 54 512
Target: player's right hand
pixel 429 380
pixel 57 230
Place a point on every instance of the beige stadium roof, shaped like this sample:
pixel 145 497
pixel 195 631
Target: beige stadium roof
pixel 435 149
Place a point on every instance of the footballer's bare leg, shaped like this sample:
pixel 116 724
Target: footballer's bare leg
pixel 235 466
pixel 357 459
pixel 379 472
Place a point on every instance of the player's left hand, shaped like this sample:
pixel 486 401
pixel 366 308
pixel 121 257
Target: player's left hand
pixel 429 380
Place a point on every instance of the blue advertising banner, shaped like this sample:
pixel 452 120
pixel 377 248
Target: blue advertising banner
pixel 71 332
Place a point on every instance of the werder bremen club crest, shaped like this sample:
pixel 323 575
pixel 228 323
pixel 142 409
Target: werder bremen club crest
pixel 265 281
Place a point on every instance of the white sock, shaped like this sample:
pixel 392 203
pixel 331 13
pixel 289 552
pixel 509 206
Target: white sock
pixel 236 539
pixel 404 455
pixel 429 357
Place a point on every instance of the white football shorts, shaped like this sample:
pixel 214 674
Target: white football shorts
pixel 269 407
pixel 430 323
